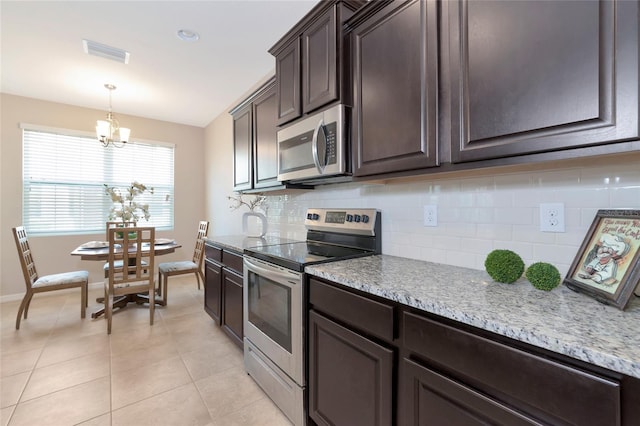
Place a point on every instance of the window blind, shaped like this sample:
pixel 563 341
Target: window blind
pixel 64 177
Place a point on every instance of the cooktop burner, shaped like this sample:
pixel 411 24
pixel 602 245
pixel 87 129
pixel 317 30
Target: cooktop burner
pixel 332 234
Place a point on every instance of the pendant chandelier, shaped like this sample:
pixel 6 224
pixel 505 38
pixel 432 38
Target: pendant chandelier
pixel 109 131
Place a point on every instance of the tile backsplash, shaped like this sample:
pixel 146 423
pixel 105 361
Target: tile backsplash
pixel 478 211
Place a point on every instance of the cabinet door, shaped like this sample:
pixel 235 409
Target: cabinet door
pixel 350 377
pixel 265 158
pixel 537 76
pixel 319 62
pixel 288 82
pixel 232 306
pixel 395 68
pixel 429 398
pixel 213 290
pixel 242 171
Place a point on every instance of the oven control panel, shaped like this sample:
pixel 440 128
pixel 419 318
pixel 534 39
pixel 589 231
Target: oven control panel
pixel 348 221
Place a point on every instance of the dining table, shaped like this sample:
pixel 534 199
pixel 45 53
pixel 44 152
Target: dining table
pixel 99 251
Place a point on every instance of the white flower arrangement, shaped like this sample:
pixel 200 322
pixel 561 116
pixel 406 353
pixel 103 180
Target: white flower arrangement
pixel 237 201
pixel 125 207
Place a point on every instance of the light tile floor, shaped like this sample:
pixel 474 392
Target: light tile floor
pixel 59 369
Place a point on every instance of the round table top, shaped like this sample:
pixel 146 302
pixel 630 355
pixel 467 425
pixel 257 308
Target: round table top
pixel 93 250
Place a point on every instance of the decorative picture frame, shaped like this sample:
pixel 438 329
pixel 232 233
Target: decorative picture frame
pixel 607 265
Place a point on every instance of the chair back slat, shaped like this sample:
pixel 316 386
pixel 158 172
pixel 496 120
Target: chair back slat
pixel 134 250
pixel 118 224
pixel 26 256
pixel 198 253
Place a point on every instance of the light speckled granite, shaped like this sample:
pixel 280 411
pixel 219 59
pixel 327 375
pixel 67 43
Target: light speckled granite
pixel 237 243
pixel 561 320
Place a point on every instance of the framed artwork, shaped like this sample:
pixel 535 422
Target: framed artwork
pixel 607 265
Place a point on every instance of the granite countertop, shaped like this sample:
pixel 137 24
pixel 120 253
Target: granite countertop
pixel 237 243
pixel 561 320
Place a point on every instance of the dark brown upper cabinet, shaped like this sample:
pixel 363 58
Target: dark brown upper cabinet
pixel 255 156
pixel 242 152
pixel 538 76
pixel 309 60
pixel 394 63
pixel 265 145
pixel 288 83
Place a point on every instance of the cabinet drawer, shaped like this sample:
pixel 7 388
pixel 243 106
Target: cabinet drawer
pixel 213 253
pixel 365 314
pixel 233 261
pixel 551 391
pixel 433 399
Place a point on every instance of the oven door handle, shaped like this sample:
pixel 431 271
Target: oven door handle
pixel 272 274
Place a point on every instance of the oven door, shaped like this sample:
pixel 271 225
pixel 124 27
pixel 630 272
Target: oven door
pixel 273 317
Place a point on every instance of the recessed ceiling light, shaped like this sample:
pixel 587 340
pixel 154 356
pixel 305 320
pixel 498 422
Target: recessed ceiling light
pixel 188 35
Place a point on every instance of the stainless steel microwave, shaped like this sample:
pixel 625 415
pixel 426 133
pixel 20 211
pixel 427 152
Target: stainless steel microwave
pixel 315 147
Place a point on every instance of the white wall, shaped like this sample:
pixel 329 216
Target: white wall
pixel 478 211
pixel 482 210
pixel 52 253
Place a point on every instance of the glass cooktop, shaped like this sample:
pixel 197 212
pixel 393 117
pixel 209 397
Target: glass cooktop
pixel 300 254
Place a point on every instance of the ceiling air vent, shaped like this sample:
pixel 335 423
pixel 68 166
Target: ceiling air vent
pixel 102 50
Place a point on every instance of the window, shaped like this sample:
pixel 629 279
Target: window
pixel 64 177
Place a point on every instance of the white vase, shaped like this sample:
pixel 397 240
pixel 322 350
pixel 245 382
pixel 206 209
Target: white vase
pixel 254 224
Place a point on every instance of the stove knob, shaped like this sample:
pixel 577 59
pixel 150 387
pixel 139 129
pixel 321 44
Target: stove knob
pixel 365 218
pixel 357 218
pixel 349 218
pixel 315 216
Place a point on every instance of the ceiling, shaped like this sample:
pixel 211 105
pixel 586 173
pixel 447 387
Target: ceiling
pixel 166 78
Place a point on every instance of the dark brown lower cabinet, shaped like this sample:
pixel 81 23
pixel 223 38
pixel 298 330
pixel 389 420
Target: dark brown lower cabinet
pixel 433 399
pixel 350 376
pixel 223 284
pixel 232 308
pixel 546 390
pixel 213 290
pixel 372 361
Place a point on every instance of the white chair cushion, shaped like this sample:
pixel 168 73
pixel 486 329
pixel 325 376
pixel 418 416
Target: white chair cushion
pixel 185 265
pixel 63 278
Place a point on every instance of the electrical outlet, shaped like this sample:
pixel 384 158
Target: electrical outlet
pixel 552 217
pixel 431 215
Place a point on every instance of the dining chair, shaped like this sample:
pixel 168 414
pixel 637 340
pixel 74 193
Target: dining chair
pixel 193 266
pixel 40 284
pixel 130 267
pixel 116 224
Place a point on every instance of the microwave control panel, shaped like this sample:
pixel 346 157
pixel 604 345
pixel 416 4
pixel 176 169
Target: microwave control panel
pixel 330 131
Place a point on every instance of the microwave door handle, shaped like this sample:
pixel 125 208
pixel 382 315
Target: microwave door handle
pixel 314 147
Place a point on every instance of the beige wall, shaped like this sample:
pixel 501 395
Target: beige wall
pixel 52 253
pixel 218 155
pixel 219 170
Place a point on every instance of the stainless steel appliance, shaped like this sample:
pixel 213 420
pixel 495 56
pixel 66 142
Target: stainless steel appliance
pixel 315 147
pixel 275 298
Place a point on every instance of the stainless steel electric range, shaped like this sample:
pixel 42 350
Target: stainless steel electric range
pixel 275 298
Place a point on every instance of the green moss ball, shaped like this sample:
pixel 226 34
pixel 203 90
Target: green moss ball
pixel 504 266
pixel 543 276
